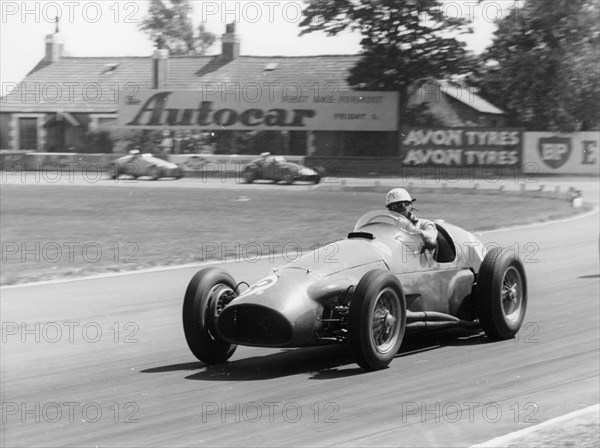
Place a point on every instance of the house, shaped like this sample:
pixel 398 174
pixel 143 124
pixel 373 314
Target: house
pixel 453 104
pixel 64 100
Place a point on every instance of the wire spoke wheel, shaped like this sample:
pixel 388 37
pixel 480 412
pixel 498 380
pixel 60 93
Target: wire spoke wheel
pixel 512 294
pixel 501 294
pixel 218 297
pixel 209 291
pixel 385 323
pixel 377 319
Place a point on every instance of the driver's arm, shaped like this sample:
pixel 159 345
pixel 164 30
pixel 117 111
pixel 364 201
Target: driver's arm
pixel 428 233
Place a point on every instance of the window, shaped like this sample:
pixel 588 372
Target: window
pixel 4 130
pixel 28 133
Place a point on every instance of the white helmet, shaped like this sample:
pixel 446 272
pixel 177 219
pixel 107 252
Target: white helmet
pixel 397 195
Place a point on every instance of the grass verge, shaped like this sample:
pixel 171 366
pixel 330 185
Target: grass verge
pixel 53 232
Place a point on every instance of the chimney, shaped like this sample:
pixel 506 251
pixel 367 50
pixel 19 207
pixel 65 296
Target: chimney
pixel 54 45
pixel 160 70
pixel 230 44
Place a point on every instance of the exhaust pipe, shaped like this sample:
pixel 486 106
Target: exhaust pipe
pixel 431 320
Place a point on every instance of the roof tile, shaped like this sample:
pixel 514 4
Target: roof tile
pixel 89 83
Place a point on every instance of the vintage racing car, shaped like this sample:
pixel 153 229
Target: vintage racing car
pixel 277 169
pixel 379 283
pixel 138 164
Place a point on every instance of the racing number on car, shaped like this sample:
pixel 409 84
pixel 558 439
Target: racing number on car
pixel 261 286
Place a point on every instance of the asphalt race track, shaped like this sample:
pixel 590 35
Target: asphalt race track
pixel 104 362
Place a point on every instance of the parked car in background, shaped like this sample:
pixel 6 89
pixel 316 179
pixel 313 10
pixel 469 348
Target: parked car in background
pixel 137 164
pixel 277 169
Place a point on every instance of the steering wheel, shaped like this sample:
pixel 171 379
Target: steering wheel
pixel 395 219
pixel 387 216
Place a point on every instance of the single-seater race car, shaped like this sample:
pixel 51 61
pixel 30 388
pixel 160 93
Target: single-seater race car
pixel 138 164
pixel 278 169
pixel 378 284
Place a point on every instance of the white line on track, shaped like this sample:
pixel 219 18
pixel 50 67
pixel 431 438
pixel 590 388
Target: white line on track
pixel 209 263
pixel 511 437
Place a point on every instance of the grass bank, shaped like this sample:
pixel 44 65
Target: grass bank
pixel 51 231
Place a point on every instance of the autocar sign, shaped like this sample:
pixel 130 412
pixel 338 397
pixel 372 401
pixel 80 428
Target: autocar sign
pixel 342 111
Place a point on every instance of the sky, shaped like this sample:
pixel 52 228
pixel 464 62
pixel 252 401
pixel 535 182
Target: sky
pixel 110 28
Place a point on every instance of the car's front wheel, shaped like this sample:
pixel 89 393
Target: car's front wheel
pixel 288 176
pixel 501 294
pixel 377 319
pixel 154 173
pixel 207 294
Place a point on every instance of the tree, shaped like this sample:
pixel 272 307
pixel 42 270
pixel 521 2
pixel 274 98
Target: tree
pixel 204 40
pixel 403 40
pixel 171 28
pixel 543 66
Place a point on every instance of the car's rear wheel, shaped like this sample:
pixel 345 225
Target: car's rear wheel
pixel 501 294
pixel 316 178
pixel 206 295
pixel 250 174
pixel 377 319
pixel 114 171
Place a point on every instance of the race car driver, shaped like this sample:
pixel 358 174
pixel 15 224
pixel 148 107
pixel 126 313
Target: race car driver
pixel 398 200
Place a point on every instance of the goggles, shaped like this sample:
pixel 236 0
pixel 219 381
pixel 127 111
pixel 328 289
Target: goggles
pixel 402 205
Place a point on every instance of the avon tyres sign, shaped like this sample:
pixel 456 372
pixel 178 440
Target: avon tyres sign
pixel 461 146
pixel 271 110
pixel 576 153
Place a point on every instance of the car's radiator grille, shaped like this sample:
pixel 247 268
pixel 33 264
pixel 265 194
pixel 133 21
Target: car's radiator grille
pixel 254 325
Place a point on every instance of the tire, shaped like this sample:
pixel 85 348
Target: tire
pixel 316 178
pixel 201 306
pixel 501 294
pixel 378 292
pixel 154 173
pixel 180 174
pixel 250 174
pixel 114 171
pixel 131 170
pixel 288 177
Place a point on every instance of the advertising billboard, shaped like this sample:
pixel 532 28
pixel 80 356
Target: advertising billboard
pixel 576 153
pixel 260 110
pixel 466 146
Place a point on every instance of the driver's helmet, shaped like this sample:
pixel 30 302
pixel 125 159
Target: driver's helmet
pixel 397 195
